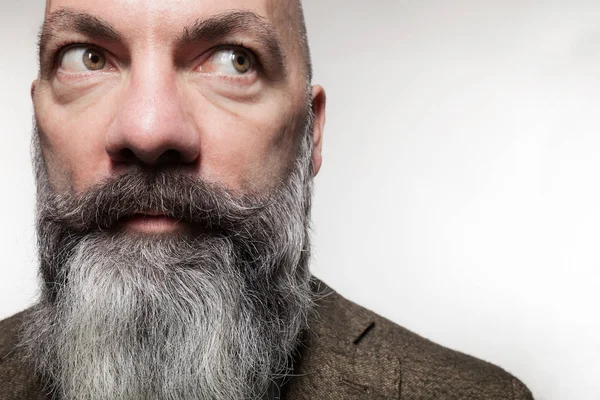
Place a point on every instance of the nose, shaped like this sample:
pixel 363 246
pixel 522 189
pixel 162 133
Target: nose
pixel 151 125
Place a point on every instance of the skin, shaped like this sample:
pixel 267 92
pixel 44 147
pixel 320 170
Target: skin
pixel 161 101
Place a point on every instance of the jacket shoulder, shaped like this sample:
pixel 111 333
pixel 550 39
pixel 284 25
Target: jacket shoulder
pixel 17 377
pixel 390 356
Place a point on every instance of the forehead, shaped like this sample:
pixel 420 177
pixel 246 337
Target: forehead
pixel 144 16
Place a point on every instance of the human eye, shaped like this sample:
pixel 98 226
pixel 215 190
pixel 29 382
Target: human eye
pixel 229 61
pixel 82 59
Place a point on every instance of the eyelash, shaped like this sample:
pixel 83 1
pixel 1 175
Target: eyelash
pixel 60 48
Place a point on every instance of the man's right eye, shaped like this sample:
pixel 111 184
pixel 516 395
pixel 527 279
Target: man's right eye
pixel 77 60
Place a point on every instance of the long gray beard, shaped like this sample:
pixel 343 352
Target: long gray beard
pixel 210 315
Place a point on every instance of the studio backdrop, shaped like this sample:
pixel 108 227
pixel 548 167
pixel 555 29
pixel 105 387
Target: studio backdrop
pixel 459 194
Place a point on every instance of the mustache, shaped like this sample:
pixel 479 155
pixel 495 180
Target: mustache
pixel 140 190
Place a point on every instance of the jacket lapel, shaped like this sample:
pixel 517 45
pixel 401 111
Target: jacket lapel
pixel 332 363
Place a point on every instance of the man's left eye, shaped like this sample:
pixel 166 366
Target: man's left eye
pixel 229 62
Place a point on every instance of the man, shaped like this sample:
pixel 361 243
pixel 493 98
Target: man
pixel 175 147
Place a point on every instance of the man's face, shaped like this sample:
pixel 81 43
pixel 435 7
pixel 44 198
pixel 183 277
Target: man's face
pixel 216 87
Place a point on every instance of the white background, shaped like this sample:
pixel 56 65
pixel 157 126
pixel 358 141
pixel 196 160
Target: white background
pixel 460 190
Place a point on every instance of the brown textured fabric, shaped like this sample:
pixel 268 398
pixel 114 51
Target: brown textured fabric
pixel 352 353
pixel 17 381
pixel 349 353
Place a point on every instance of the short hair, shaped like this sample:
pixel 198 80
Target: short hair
pixel 304 46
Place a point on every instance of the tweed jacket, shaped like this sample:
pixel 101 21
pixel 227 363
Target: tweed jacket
pixel 349 353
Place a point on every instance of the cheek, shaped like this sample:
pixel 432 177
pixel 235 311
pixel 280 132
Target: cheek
pixel 248 147
pixel 72 141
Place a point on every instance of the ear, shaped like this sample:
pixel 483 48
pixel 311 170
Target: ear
pixel 33 86
pixel 319 100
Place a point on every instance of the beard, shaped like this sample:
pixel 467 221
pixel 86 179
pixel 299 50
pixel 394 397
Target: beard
pixel 214 312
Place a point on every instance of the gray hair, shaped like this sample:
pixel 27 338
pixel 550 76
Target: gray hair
pixel 210 314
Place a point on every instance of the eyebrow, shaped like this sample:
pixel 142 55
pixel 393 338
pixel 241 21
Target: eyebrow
pixel 238 22
pixel 69 20
pixel 204 29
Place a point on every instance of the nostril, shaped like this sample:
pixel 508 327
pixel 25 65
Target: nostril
pixel 170 157
pixel 127 156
